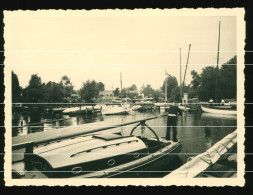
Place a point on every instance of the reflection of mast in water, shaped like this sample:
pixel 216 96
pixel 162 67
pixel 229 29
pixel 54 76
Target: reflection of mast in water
pixel 165 86
pixel 208 142
pixel 77 119
pixel 121 129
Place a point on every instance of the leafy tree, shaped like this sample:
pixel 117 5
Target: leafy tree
pixel 196 80
pixel 131 95
pixel 147 90
pixel 54 92
pixel 16 89
pixel 124 93
pixel 157 94
pixel 133 87
pixel 116 92
pixel 67 86
pixel 90 90
pixel 101 86
pixel 175 94
pixel 204 85
pixel 172 88
pixel 34 92
pixel 227 81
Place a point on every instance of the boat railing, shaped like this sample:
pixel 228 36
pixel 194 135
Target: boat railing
pixel 29 146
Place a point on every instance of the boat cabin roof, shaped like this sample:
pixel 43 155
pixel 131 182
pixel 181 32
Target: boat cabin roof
pixel 89 148
pixel 108 137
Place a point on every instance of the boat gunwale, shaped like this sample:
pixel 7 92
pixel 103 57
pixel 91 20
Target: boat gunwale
pixel 133 164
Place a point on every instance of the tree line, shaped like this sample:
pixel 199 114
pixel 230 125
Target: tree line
pixel 52 92
pixel 202 86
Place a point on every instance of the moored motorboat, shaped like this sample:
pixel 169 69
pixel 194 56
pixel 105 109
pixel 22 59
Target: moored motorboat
pixel 183 108
pixel 136 107
pixel 218 111
pixel 58 110
pixel 114 110
pixel 97 155
pixel 70 110
pixel 80 110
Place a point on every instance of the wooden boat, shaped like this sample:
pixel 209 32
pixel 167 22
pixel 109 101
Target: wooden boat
pixel 218 111
pixel 136 107
pixel 58 110
pixel 206 164
pixel 115 110
pixel 80 110
pixel 97 155
pixel 71 110
pixel 183 108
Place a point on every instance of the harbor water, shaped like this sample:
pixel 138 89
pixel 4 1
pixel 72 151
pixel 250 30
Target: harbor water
pixel 196 131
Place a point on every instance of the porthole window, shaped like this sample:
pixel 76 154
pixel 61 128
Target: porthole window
pixel 76 170
pixel 111 162
pixel 136 155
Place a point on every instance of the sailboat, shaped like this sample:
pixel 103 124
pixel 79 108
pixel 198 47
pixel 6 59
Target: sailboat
pixel 218 109
pixel 183 107
pixel 117 109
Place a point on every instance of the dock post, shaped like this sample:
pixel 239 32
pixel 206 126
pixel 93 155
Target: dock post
pixel 27 156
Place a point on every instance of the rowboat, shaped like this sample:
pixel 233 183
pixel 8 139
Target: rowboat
pixel 218 111
pixel 97 155
pixel 115 110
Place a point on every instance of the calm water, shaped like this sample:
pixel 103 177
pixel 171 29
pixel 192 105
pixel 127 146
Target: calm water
pixel 192 126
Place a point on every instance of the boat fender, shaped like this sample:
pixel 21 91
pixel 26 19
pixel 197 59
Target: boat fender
pixel 76 170
pixel 111 162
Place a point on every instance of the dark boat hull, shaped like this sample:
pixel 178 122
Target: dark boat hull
pixel 157 168
pixel 153 165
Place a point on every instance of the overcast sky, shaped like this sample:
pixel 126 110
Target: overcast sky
pixel 100 47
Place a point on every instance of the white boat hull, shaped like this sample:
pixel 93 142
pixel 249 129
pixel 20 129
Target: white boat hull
pixel 218 111
pixel 183 108
pixel 115 110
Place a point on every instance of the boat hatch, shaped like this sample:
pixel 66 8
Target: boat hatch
pixel 108 137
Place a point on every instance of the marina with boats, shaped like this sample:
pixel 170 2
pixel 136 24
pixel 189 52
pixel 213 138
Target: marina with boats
pixel 98 133
pixel 120 145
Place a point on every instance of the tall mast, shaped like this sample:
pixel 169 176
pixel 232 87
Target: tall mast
pixel 121 86
pixel 112 89
pixel 180 76
pixel 186 68
pixel 217 67
pixel 165 90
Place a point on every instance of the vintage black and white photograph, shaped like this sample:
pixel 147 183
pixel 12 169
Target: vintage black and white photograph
pixel 127 94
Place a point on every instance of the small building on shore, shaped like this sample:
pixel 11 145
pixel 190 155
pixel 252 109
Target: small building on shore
pixel 106 94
